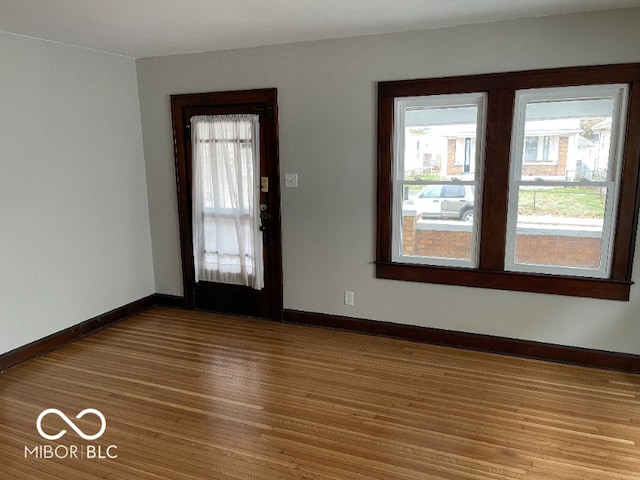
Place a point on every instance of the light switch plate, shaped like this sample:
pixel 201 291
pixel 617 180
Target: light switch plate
pixel 291 180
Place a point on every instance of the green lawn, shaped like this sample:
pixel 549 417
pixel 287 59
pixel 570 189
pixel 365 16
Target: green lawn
pixel 573 202
pixel 416 188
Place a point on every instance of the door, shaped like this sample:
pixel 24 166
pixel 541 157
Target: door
pixel 242 275
pixel 467 156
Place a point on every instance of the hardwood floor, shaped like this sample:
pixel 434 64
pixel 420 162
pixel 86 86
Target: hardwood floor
pixel 189 395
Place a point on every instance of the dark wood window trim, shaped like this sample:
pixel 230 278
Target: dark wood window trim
pixel 501 89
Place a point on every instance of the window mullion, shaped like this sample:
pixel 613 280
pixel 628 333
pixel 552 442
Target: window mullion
pixel 500 104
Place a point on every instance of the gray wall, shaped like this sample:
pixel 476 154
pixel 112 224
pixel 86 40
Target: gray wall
pixel 327 135
pixel 74 223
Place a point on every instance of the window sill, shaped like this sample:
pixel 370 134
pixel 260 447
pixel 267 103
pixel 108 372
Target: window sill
pixel 500 280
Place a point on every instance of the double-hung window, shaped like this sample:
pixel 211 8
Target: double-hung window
pixel 563 223
pixel 518 181
pixel 438 199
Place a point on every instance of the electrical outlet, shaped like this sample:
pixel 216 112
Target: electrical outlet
pixel 348 298
pixel 291 180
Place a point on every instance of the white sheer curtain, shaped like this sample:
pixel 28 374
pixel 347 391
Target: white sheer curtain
pixel 227 242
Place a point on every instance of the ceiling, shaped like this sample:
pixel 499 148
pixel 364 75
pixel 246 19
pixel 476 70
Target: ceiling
pixel 146 28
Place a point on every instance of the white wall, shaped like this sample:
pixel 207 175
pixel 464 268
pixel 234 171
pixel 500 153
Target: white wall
pixel 74 224
pixel 327 99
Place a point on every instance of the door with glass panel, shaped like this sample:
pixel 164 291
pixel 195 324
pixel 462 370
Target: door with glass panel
pixel 228 198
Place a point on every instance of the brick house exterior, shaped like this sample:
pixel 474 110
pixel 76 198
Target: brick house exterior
pixel 556 168
pixel 533 247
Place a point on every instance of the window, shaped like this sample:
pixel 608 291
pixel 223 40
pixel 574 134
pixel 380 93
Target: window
pixel 433 201
pixel 531 183
pixel 564 224
pixel 531 149
pixel 544 148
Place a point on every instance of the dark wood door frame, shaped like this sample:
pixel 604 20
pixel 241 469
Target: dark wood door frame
pixel 263 102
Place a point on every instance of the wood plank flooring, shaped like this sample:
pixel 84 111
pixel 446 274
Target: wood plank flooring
pixel 189 395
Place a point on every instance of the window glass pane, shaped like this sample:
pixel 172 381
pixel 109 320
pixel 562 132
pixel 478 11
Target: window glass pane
pixel 530 149
pixel 546 148
pixel 568 139
pixel 560 226
pixel 433 239
pixel 438 223
pixel 440 142
pixel 564 185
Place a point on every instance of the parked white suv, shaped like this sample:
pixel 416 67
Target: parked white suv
pixel 445 201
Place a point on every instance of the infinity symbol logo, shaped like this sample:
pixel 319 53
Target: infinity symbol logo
pixel 71 424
